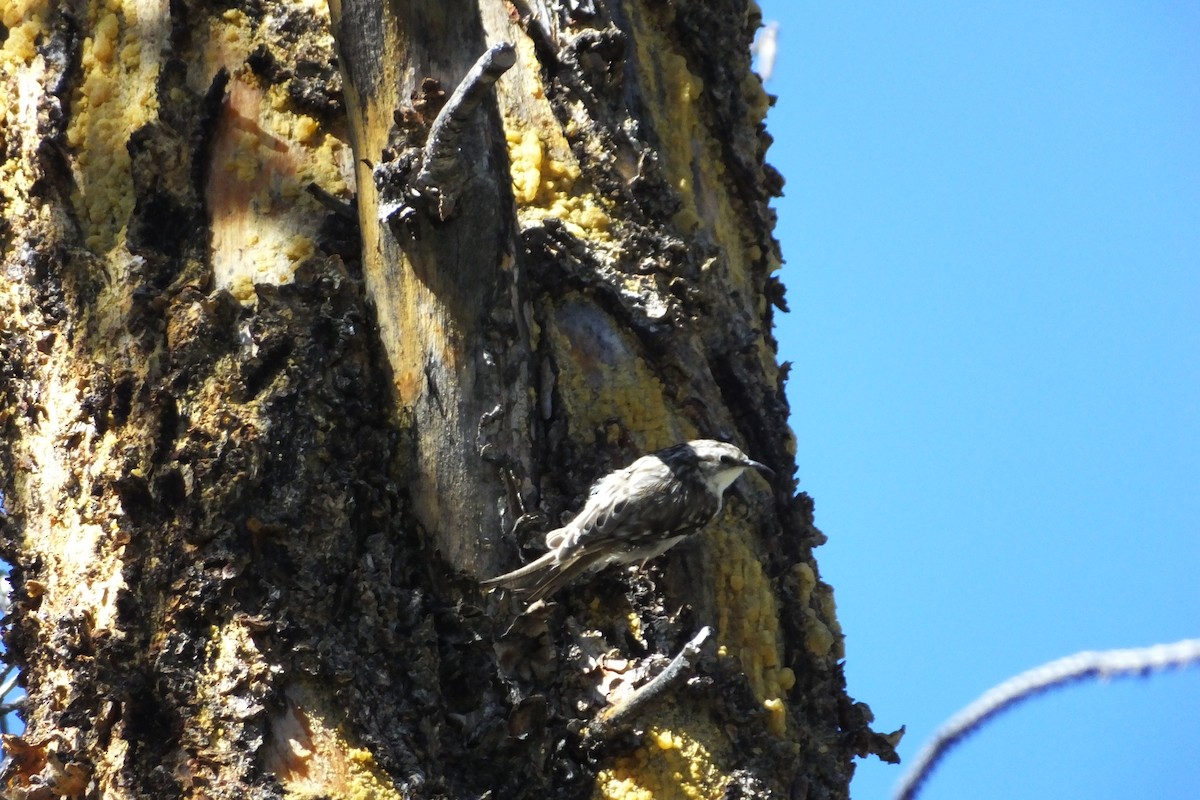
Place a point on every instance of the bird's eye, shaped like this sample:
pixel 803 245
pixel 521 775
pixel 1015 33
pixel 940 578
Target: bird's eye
pixel 727 459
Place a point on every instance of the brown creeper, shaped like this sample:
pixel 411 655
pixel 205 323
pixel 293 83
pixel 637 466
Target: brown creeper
pixel 635 514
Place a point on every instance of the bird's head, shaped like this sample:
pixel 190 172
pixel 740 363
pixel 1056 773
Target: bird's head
pixel 720 463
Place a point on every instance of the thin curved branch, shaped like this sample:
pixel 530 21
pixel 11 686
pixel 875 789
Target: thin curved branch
pixel 619 715
pixel 1081 666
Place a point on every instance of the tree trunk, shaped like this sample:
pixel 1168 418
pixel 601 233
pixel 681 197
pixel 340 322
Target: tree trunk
pixel 263 439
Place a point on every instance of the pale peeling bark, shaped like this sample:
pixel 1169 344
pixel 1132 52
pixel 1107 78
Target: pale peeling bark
pixel 255 464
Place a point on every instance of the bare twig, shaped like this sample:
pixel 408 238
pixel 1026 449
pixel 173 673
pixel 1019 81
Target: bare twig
pixel 1081 666
pixel 443 170
pixel 618 715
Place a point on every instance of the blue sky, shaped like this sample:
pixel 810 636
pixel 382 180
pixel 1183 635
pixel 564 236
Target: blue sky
pixel 992 234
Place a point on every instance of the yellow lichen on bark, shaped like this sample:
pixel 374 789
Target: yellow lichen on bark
pixel 264 156
pixel 264 153
pixel 120 65
pixel 603 379
pixel 20 89
pixel 672 763
pixel 547 181
pixel 748 616
pixel 822 633
pixel 693 159
pixel 311 755
pixel 687 151
pixel 547 184
pixel 25 21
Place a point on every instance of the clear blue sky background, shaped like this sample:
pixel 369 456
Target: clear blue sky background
pixel 992 234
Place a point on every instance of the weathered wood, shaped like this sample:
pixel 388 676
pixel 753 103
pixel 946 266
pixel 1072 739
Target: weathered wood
pixel 446 292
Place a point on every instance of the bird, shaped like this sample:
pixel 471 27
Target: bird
pixel 635 514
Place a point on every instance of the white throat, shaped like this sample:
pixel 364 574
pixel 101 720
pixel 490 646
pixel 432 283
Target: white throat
pixel 718 482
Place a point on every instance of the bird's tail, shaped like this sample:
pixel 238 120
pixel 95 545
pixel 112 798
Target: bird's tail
pixel 541 578
pixel 522 578
pixel 558 576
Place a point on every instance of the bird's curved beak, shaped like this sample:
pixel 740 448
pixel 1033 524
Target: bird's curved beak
pixel 763 468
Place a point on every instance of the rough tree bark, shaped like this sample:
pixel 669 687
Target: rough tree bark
pixel 263 438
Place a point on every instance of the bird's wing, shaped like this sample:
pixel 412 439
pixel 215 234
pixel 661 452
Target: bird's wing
pixel 642 502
